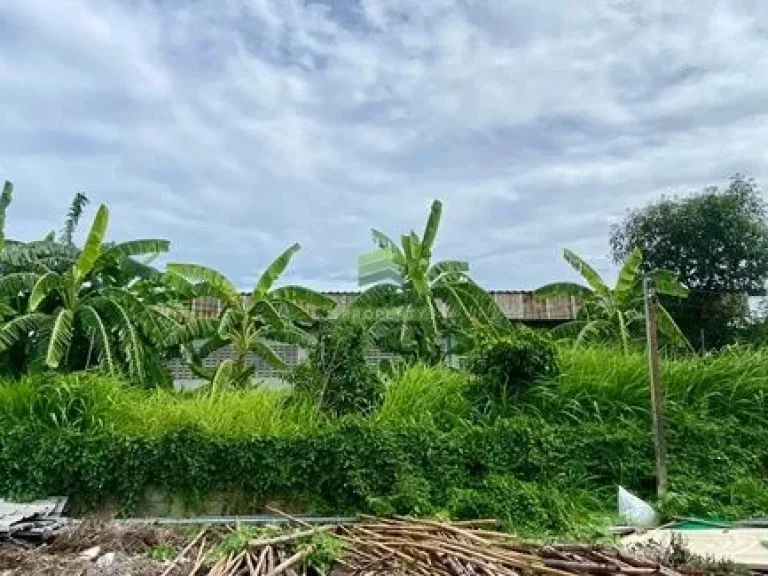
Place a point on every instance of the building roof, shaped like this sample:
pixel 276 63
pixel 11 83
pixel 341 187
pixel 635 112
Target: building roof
pixel 517 305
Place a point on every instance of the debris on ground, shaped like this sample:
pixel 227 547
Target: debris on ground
pixel 34 521
pixel 432 548
pixel 369 547
pixel 91 548
pixel 726 545
pixel 635 511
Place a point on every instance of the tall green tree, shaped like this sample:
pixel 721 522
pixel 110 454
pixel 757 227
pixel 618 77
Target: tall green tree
pixel 717 242
pixel 80 312
pixel 247 324
pixel 431 301
pixel 615 314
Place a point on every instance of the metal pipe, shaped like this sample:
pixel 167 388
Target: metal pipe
pixel 256 519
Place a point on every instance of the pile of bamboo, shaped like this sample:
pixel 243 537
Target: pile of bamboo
pixel 428 548
pixel 283 554
pixel 405 546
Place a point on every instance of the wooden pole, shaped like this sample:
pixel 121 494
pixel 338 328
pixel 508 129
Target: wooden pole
pixel 657 399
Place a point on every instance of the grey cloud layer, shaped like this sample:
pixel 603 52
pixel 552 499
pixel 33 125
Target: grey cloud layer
pixel 236 127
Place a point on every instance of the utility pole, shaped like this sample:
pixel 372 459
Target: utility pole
pixel 657 399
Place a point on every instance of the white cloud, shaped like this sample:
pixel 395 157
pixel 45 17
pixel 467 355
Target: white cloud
pixel 237 127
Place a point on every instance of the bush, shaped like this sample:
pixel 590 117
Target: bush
pixel 508 365
pixel 532 506
pixel 337 375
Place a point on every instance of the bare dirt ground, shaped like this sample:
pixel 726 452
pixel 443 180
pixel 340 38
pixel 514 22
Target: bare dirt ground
pixel 95 549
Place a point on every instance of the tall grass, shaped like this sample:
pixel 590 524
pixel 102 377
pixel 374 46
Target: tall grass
pixel 76 400
pixel 595 384
pixel 431 396
pixel 607 384
pixel 260 412
pixel 87 400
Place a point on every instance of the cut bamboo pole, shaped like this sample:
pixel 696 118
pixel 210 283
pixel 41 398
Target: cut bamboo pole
pixel 200 558
pixel 249 563
pixel 293 519
pixel 262 563
pixel 181 554
pixel 401 545
pixel 295 559
pixel 288 537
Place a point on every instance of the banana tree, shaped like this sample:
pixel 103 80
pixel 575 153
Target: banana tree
pixel 613 314
pixel 430 302
pixel 247 323
pixel 81 313
pixel 11 285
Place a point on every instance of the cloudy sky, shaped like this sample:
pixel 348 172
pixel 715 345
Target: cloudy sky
pixel 235 127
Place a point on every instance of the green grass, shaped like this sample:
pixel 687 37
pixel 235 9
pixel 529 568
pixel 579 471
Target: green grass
pixel 427 396
pixel 605 384
pixel 260 412
pixel 163 552
pixel 87 400
pixel 595 384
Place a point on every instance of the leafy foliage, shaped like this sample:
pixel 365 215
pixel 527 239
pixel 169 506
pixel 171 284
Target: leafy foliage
pixel 522 504
pixel 236 541
pixel 337 375
pixel 345 441
pixel 248 325
pixel 106 438
pixel 327 550
pixel 598 384
pixel 615 314
pixel 717 243
pixel 432 300
pixel 507 366
pixel 81 309
pixel 537 469
pixel 104 306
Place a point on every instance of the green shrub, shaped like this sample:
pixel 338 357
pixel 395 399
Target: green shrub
pixel 531 506
pixel 336 374
pixel 411 494
pixel 508 365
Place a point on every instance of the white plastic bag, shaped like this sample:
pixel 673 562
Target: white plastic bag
pixel 636 512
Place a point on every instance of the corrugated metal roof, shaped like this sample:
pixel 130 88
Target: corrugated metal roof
pixel 517 305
